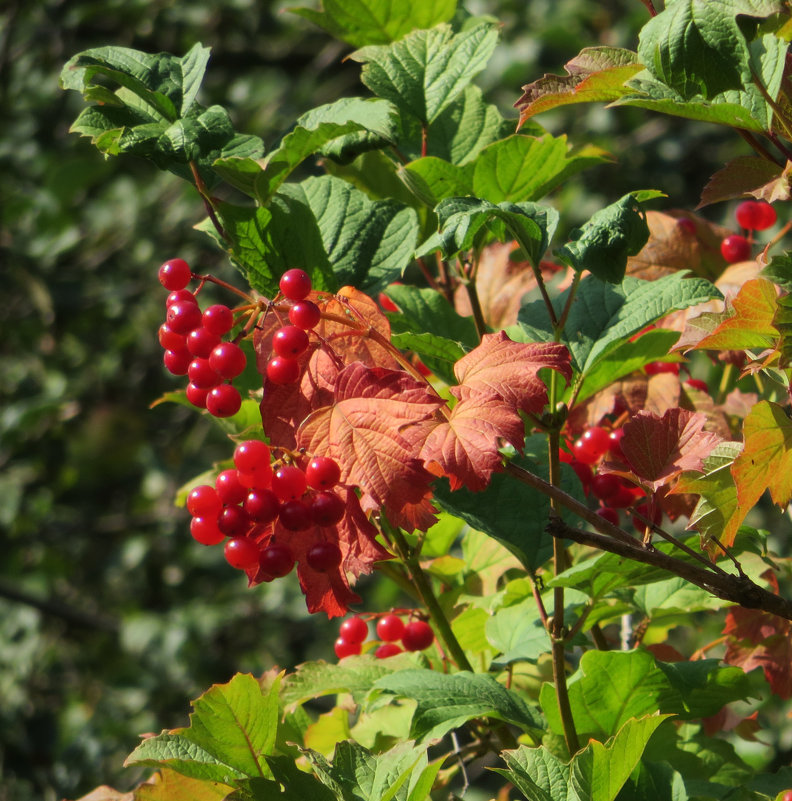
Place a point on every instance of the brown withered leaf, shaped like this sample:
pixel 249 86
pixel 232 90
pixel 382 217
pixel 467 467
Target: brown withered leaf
pixel 748 175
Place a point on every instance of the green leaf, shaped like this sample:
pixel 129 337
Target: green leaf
pixel 608 239
pixel 463 220
pixel 424 72
pixel 402 773
pixel 232 727
pixel 289 783
pixel 596 773
pixel 603 315
pixel 517 633
pixel 611 687
pixel 364 22
pixel 437 353
pixel 779 271
pixel 447 701
pixel 696 47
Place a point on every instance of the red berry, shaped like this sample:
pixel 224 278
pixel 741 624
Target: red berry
pixel 229 489
pixel 386 650
pixel 218 319
pixel 591 445
pixel 233 521
pixel 417 636
pixel 584 473
pixel 223 401
pixel 604 485
pixel 698 384
pixel 277 560
pixel 283 371
pixel 609 514
pixel 787 796
pixel 170 340
pixel 290 341
pixel 183 316
pixel 653 368
pixel 614 443
pixel 201 342
pixel 327 508
pixel 241 553
pixel 252 455
pixel 177 362
pixel 354 630
pixel 206 531
pixel 175 274
pixel 322 473
pixel 687 225
pixel 289 482
pixel 324 557
pixel 196 396
pixel 202 375
pixel 228 359
pixel 305 314
pixel 261 505
pixel 258 479
pixel 295 516
pixel 735 248
pixel 343 648
pixel 622 499
pixel 643 509
pixel 755 215
pixel 390 628
pixel 295 284
pixel 203 501
pixel 180 296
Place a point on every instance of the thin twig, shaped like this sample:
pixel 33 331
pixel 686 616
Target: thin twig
pixel 210 209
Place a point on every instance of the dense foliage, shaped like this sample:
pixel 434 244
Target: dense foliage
pixel 505 343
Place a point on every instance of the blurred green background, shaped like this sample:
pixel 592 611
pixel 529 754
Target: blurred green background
pixel 111 617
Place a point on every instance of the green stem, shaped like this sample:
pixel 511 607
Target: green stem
pixel 559 329
pixel 475 303
pixel 723 387
pixel 424 588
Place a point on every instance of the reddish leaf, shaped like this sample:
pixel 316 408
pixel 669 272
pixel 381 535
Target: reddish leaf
pixel 509 369
pixel 465 448
pixel 728 720
pixel 375 429
pixel 357 538
pixel 658 449
pixel 595 74
pixel 419 516
pixel 765 462
pixel 746 175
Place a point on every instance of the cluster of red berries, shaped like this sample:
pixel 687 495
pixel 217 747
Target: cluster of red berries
pixel 752 215
pixel 417 635
pixel 613 492
pixel 194 346
pixel 247 499
pixel 291 341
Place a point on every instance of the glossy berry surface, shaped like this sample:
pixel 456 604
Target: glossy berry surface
pixel 305 314
pixel 698 384
pixel 288 482
pixel 206 531
pixel 604 485
pixel 326 508
pixel 390 628
pixel 201 342
pixel 614 443
pixel 218 319
pixel 295 284
pixel 735 248
pixel 223 401
pixel 175 274
pixel 228 487
pixel 417 636
pixel 387 649
pixel 252 455
pixel 196 395
pixel 277 560
pixel 609 514
pixel 755 215
pixel 354 629
pixel 170 340
pixel 203 501
pixel 295 516
pixel 233 521
pixel 322 473
pixel 281 370
pixel 177 362
pixel 324 557
pixel 228 359
pixel 261 505
pixel 591 445
pixel 343 648
pixel 183 316
pixel 241 553
pixel 655 368
pixel 180 296
pixel 202 375
pixel 290 341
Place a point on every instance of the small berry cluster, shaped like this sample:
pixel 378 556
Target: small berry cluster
pixel 252 496
pixel 291 341
pixel 752 215
pixel 613 492
pixel 194 347
pixel 417 635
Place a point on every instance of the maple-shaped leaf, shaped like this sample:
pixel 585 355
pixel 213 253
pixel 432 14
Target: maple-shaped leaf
pixel 765 462
pixel 509 369
pixel 658 449
pixel 375 428
pixel 749 323
pixel 594 74
pixel 285 406
pixel 465 447
pixel 357 537
pixel 748 175
pixel 420 516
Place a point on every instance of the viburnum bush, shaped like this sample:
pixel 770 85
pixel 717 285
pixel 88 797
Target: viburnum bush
pixel 551 446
